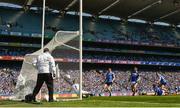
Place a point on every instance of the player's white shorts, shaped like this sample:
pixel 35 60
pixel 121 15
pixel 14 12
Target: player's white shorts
pixel 133 82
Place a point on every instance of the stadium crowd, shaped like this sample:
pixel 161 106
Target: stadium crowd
pixel 93 81
pixel 74 54
pixel 132 58
pixel 15 52
pixel 8 79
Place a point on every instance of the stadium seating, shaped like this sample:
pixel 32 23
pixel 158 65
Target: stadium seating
pixel 132 58
pixel 15 52
pixel 30 23
pixel 74 54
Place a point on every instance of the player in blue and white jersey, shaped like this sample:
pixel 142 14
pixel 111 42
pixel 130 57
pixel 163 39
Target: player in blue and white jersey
pixel 162 81
pixel 158 90
pixel 134 78
pixel 109 79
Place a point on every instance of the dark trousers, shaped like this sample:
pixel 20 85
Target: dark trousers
pixel 47 78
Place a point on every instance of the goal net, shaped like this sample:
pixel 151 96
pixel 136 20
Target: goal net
pixel 65 49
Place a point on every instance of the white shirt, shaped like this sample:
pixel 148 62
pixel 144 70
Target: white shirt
pixel 45 63
pixel 75 87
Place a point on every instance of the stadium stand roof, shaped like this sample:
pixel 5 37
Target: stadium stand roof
pixel 149 10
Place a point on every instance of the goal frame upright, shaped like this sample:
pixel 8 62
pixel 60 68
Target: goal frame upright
pixel 80 43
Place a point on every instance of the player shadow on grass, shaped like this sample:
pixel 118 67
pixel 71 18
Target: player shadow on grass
pixel 36 103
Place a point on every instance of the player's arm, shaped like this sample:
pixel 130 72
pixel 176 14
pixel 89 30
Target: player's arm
pixel 159 80
pixel 35 62
pixel 129 78
pixel 139 78
pixel 113 77
pixel 52 66
pixel 102 75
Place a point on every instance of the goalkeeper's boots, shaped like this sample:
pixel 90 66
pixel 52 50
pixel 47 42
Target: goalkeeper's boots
pixel 51 100
pixel 34 99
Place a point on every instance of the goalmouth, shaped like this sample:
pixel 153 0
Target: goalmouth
pixel 66 51
pixel 66 48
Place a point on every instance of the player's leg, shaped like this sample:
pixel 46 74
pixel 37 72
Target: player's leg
pixel 134 88
pixel 163 87
pixel 49 83
pixel 39 83
pixel 110 89
pixel 155 93
pixel 103 89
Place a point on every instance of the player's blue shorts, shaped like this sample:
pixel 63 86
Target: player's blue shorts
pixel 160 93
pixel 108 83
pixel 163 83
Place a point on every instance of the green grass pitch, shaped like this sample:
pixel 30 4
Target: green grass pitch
pixel 123 101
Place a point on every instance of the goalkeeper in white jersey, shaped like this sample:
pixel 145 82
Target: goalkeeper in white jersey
pixel 75 87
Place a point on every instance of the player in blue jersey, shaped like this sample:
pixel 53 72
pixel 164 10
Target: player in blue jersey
pixel 134 78
pixel 109 79
pixel 162 81
pixel 158 90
